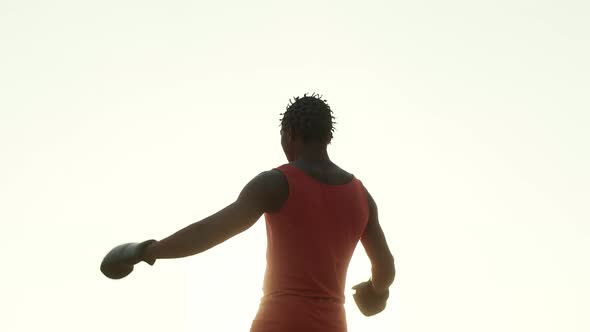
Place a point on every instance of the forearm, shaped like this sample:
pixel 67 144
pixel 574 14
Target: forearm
pixel 183 243
pixel 382 275
pixel 193 239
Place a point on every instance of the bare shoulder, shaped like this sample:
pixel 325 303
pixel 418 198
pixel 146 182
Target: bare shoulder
pixel 275 178
pixel 265 191
pixel 277 188
pixel 271 181
pixel 371 201
pixel 342 172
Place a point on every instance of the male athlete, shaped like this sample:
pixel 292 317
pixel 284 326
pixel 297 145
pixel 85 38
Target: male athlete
pixel 315 214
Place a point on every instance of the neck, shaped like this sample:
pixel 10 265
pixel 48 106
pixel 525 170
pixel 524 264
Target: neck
pixel 316 154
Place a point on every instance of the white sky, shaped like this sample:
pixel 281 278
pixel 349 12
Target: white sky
pixel 122 121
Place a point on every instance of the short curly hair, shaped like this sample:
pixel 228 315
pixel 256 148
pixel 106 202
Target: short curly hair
pixel 309 118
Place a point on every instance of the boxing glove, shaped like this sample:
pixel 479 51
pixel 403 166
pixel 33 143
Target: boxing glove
pixel 368 300
pixel 119 262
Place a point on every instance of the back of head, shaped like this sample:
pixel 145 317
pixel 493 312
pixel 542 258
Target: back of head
pixel 309 118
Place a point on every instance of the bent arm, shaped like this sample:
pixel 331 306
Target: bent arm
pixel 375 244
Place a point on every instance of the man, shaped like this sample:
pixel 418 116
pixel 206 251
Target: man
pixel 315 214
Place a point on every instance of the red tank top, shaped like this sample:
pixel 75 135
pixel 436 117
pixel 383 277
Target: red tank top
pixel 310 242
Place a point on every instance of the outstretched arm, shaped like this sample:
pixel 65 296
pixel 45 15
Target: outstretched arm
pixel 254 199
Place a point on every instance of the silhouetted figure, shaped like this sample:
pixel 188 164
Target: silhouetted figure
pixel 315 214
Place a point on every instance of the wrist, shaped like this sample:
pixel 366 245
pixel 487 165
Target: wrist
pixel 379 291
pixel 149 252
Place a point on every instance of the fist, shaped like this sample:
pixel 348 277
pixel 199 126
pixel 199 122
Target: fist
pixel 368 300
pixel 119 262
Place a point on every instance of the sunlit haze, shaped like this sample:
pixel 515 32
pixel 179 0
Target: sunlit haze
pixel 122 121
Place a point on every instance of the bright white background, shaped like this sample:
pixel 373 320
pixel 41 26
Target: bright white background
pixel 122 121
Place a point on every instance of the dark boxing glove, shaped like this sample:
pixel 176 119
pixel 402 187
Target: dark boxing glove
pixel 118 263
pixel 368 300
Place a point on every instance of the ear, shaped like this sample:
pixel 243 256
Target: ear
pixel 288 137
